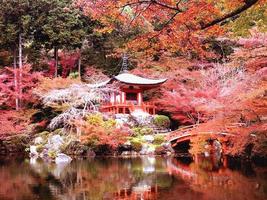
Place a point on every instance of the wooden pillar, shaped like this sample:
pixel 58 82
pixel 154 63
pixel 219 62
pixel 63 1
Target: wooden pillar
pixel 139 98
pixel 123 97
pixel 114 97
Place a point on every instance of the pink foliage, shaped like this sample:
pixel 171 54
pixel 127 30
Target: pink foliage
pixel 11 122
pixel 257 39
pixel 67 62
pixel 22 90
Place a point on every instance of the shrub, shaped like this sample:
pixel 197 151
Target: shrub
pixel 95 131
pixel 162 121
pixel 74 75
pixel 136 144
pixel 142 131
pixel 158 139
pixel 95 119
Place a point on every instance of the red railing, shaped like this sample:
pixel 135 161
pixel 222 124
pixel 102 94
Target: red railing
pixel 128 107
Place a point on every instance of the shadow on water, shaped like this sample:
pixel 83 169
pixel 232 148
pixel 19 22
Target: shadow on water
pixel 145 178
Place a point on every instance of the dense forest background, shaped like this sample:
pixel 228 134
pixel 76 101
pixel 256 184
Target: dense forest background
pixel 214 54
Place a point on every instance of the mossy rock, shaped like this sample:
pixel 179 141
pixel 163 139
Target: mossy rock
pixel 15 143
pixel 158 139
pixel 58 131
pixel 140 131
pixel 162 121
pixel 43 134
pixel 136 144
pixel 52 154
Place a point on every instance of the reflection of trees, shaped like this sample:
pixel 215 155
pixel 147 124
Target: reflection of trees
pixel 221 183
pixel 18 181
pixel 110 178
pixel 121 178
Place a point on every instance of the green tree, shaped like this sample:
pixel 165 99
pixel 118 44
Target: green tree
pixel 15 26
pixel 59 24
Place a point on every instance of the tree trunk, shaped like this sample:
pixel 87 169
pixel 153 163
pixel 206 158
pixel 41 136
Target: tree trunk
pixel 20 69
pixel 15 78
pixel 56 60
pixel 79 66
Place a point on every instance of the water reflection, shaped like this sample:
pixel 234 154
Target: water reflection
pixel 144 178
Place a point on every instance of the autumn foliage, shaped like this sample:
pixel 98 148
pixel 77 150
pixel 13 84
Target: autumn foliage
pixel 97 131
pixel 17 84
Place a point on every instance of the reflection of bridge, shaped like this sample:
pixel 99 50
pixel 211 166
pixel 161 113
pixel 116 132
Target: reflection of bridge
pixel 188 132
pixel 194 174
pixel 145 192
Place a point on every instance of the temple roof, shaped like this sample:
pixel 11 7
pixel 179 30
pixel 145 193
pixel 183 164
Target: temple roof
pixel 137 80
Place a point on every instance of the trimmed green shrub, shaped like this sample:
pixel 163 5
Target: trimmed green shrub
pixel 95 119
pixel 74 75
pixel 136 144
pixel 158 139
pixel 162 121
pixel 142 131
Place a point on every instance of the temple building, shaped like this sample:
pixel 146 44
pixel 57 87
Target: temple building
pixel 129 98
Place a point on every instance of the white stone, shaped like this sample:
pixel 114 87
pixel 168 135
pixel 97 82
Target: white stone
pixel 33 151
pixel 38 140
pixel 55 142
pixel 148 138
pixel 148 169
pixel 62 158
pixel 147 150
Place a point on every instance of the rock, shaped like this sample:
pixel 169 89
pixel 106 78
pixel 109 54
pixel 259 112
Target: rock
pixel 160 150
pixel 38 140
pixel 62 158
pixel 164 149
pixel 129 153
pixel 90 153
pixel 14 144
pixel 127 146
pixel 147 150
pixel 54 142
pixel 77 149
pixel 33 151
pixel 148 138
pixel 126 153
pixel 44 154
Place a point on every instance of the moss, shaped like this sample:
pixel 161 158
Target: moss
pixel 136 144
pixel 110 123
pixel 52 154
pixel 95 119
pixel 158 139
pixel 162 121
pixel 44 134
pixel 139 131
pixel 58 131
pixel 39 148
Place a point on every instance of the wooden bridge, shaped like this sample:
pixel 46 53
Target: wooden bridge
pixel 186 133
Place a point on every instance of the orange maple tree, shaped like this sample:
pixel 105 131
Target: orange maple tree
pixel 167 24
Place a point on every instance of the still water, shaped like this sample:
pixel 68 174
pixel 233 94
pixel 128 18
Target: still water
pixel 145 178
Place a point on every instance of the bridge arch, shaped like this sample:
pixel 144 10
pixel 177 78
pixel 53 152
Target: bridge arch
pixel 181 142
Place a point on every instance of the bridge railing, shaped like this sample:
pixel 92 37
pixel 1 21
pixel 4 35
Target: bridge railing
pixel 187 129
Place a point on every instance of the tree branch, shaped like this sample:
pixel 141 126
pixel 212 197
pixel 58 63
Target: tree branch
pixel 247 5
pixel 237 11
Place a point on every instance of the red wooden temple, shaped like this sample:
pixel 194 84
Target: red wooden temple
pixel 129 98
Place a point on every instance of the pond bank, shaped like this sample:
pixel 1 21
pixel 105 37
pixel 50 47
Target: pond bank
pixel 17 144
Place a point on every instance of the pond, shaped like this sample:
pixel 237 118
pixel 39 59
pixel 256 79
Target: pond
pixel 145 178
